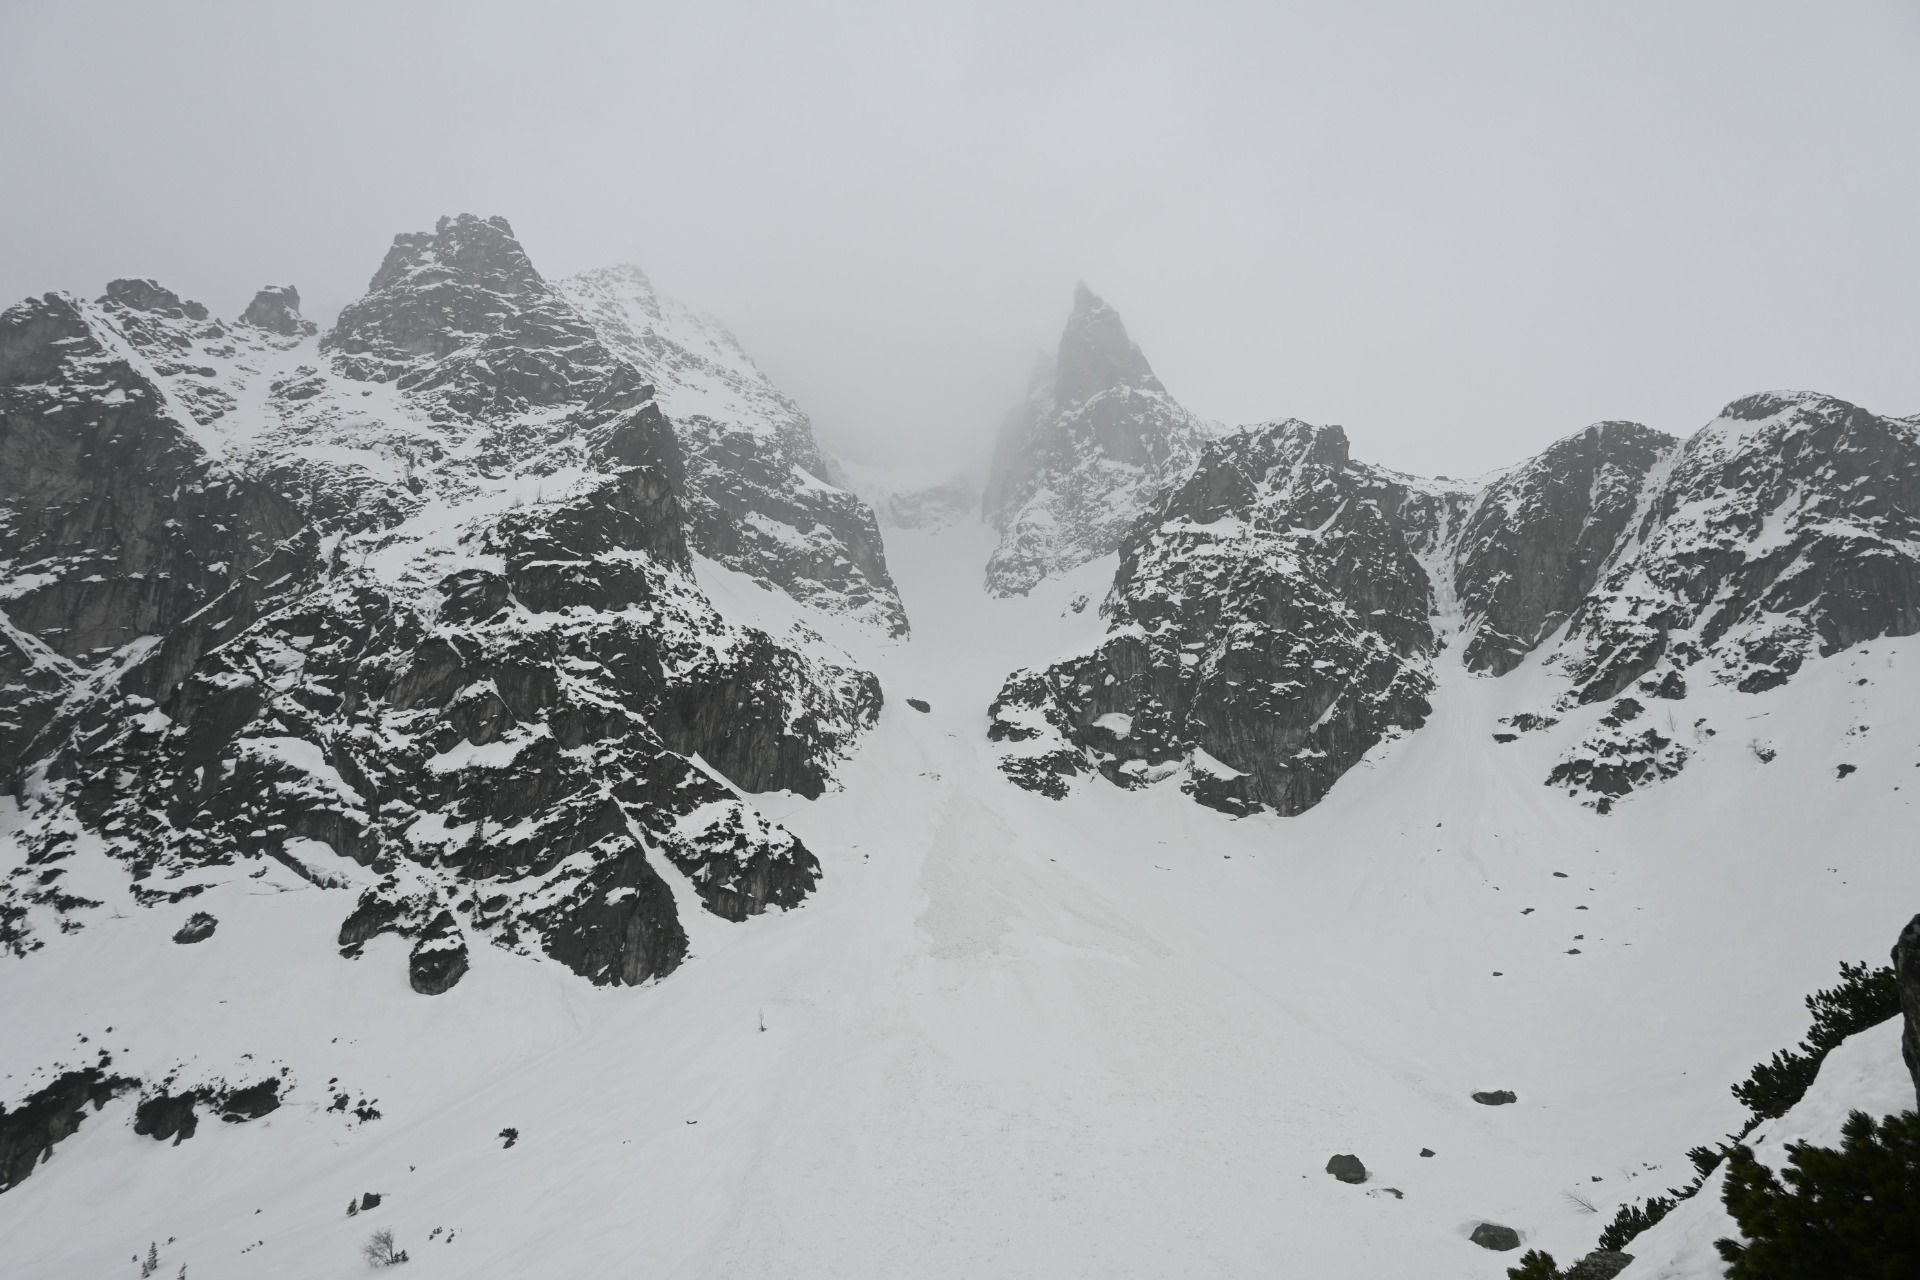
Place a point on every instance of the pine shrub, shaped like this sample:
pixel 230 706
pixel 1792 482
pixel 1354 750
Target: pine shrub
pixel 1862 998
pixel 1850 1212
pixel 1535 1264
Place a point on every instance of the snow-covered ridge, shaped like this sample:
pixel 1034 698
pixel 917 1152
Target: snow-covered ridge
pixel 759 498
pixel 1621 558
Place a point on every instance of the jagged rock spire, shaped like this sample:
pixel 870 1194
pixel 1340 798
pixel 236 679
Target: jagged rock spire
pixel 276 309
pixel 1096 354
pixel 1096 440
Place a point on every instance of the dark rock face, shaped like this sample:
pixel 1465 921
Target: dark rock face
pixel 113 523
pixel 276 309
pixel 1268 625
pixel 168 1115
pixel 251 1102
pixel 198 928
pixel 1787 528
pixel 1538 536
pixel 760 496
pixel 1906 973
pixel 33 681
pixel 29 1131
pixel 1095 443
pixel 477 664
pixel 1496 1097
pixel 1491 1235
pixel 1347 1169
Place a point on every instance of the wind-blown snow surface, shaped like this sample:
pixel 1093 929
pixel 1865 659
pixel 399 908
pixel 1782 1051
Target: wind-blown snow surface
pixel 1113 1035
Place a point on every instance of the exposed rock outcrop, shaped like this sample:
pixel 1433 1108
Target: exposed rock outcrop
pixel 1268 625
pixel 30 1130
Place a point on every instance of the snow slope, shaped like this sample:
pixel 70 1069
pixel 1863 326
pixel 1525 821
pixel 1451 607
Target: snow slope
pixel 1113 1035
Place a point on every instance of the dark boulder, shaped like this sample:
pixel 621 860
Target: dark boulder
pixel 1347 1169
pixel 1491 1235
pixel 198 928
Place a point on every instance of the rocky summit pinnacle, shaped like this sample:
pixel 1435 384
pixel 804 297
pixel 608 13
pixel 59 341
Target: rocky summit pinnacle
pixel 1097 440
pixel 1096 354
pixel 276 309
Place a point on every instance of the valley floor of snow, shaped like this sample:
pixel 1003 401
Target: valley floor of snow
pixel 1115 1035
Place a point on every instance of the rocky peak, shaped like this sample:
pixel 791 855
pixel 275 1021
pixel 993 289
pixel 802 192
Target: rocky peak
pixel 493 356
pixel 1096 441
pixel 466 289
pixel 276 309
pixel 148 295
pixel 461 247
pixel 1096 354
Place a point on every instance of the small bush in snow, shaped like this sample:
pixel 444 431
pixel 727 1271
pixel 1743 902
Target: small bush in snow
pixel 379 1250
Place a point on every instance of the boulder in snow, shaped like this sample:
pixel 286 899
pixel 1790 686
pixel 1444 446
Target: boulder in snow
pixel 1491 1235
pixel 1347 1169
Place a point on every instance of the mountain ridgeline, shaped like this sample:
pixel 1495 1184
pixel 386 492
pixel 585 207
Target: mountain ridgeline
pixel 1278 608
pixel 414 607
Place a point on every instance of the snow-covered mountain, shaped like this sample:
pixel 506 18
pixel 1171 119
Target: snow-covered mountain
pixel 427 759
pixel 407 608
pixel 1273 617
pixel 1095 442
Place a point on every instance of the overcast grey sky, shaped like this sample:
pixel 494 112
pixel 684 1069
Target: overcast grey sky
pixel 1460 229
